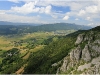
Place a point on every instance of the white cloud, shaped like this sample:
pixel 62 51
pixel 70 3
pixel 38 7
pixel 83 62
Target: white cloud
pixel 75 5
pixel 76 19
pixel 15 1
pixel 23 19
pixel 88 18
pixel 2 12
pixel 26 8
pixel 42 10
pixel 48 9
pixel 85 11
pixel 66 17
pixel 92 9
pixel 54 16
pixel 68 13
pixel 30 7
pixel 89 12
pixel 81 12
pixel 52 2
pixel 90 24
pixel 27 1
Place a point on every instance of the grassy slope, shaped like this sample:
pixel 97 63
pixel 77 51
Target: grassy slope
pixel 7 43
pixel 40 62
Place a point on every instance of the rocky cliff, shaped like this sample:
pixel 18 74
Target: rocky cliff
pixel 85 57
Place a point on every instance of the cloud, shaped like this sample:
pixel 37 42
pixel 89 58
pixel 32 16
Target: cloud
pixel 89 12
pixel 54 16
pixel 48 9
pixel 66 17
pixel 52 2
pixel 76 19
pixel 91 24
pixel 15 1
pixel 26 8
pixel 92 9
pixel 22 19
pixel 30 7
pixel 85 11
pixel 81 12
pixel 2 12
pixel 88 18
pixel 75 5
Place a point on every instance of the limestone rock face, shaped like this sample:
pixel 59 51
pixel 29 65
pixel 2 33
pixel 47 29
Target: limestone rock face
pixel 84 57
pixel 64 65
pixel 86 54
pixel 75 54
pixel 97 41
pixel 93 67
pixel 56 64
pixel 96 48
pixel 85 66
pixel 72 55
pixel 79 39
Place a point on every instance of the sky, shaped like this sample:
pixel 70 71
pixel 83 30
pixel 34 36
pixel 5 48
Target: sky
pixel 82 12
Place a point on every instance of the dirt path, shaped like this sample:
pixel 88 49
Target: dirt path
pixel 26 56
pixel 20 71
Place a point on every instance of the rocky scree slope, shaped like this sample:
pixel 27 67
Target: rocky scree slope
pixel 85 57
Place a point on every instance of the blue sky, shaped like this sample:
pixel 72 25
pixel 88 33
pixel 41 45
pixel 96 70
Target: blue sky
pixel 51 11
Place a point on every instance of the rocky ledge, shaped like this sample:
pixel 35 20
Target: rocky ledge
pixel 85 57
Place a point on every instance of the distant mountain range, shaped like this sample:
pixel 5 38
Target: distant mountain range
pixel 63 26
pixel 12 23
pixel 16 28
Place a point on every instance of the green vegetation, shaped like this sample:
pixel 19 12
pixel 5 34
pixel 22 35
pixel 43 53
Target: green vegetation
pixel 35 49
pixel 42 60
pixel 77 72
pixel 18 29
pixel 28 44
pixel 82 45
pixel 11 61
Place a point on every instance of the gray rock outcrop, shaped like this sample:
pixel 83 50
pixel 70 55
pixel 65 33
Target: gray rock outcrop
pixel 86 54
pixel 85 57
pixel 65 64
pixel 75 54
pixel 79 39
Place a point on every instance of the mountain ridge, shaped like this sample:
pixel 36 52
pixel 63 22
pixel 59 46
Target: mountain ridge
pixel 16 23
pixel 16 29
pixel 84 58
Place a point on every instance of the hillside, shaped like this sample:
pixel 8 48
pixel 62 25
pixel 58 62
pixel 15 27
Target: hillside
pixel 76 53
pixel 42 48
pixel 74 57
pixel 84 58
pixel 18 29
